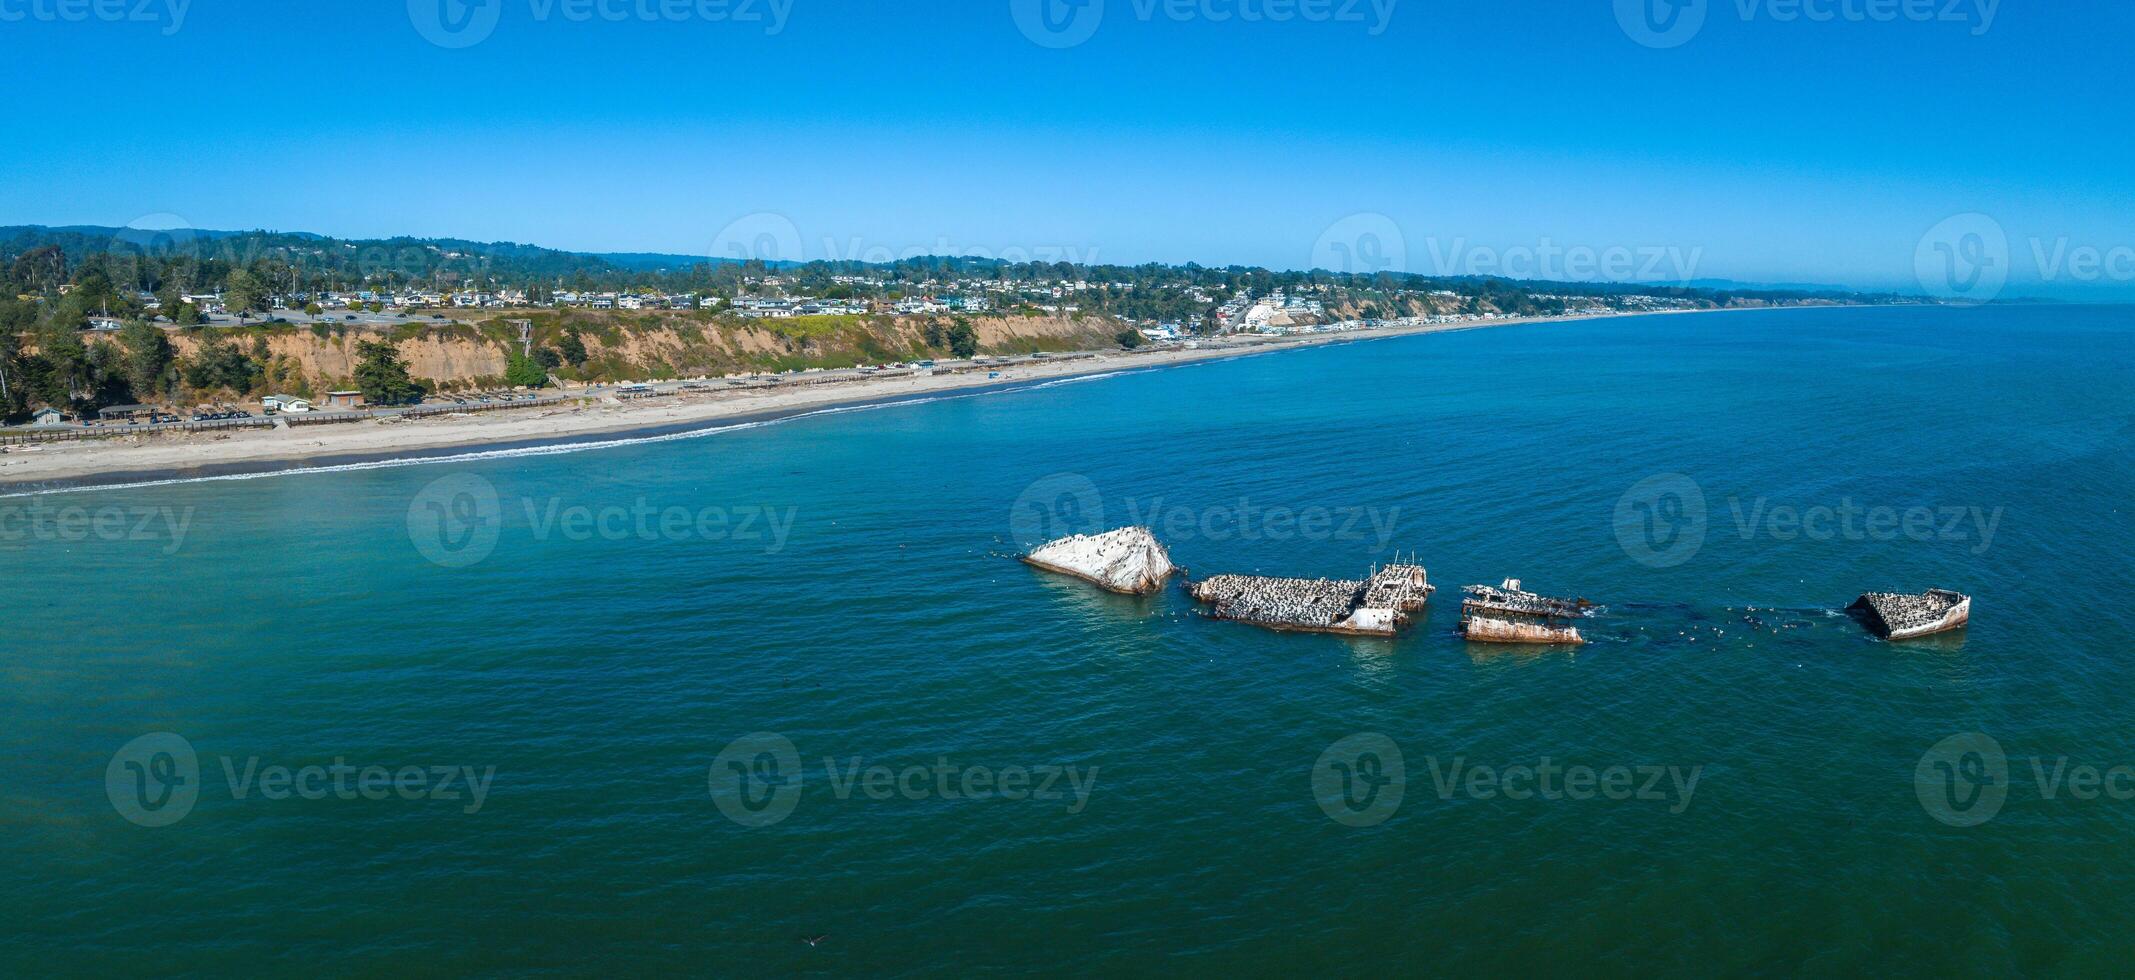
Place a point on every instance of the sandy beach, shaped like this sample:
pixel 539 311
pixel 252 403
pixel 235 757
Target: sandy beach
pixel 169 455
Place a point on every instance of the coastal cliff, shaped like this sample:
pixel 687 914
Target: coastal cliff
pixel 619 346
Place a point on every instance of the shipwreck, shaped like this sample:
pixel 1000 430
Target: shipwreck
pixel 1900 616
pixel 1129 560
pixel 1509 614
pixel 1378 605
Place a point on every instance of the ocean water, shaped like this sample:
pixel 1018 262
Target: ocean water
pixel 1732 777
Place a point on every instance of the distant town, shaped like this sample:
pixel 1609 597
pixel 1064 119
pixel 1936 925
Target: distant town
pixel 121 323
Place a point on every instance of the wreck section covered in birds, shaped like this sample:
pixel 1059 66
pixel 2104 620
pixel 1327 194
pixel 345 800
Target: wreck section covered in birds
pixel 1128 560
pixel 1899 616
pixel 1509 614
pixel 1379 605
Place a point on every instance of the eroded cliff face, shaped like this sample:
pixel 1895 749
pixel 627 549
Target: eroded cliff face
pixel 638 346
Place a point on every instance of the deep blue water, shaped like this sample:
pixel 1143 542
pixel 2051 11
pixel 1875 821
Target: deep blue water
pixel 845 583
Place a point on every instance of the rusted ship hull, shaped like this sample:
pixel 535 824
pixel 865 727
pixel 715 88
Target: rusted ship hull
pixel 1483 629
pixel 1956 618
pixel 1897 616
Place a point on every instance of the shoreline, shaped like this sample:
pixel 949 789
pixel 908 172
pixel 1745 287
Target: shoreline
pixel 131 461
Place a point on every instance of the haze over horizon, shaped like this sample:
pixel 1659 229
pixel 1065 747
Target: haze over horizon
pixel 1509 139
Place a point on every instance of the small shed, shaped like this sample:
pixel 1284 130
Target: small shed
pixel 47 418
pixel 344 399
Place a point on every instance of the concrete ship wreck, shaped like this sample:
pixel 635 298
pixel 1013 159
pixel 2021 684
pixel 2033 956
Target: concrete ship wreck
pixel 1378 605
pixel 1128 560
pixel 1509 614
pixel 1900 616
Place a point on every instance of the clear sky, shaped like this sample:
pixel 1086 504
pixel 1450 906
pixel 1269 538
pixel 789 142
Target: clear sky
pixel 1757 140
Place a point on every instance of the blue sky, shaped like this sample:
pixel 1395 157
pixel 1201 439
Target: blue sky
pixel 1763 145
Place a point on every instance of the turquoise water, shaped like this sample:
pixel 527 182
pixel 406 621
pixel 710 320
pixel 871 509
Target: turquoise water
pixel 844 582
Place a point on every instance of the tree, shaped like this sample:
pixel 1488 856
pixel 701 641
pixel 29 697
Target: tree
pixel 1129 338
pixel 963 341
pixel 244 293
pixel 548 358
pixel 148 360
pixel 573 348
pixel 525 372
pixel 382 376
pixel 221 365
pixel 14 381
pixel 313 309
